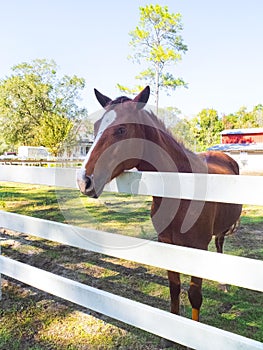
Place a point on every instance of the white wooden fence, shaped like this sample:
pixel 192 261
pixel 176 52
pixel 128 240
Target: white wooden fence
pixel 243 272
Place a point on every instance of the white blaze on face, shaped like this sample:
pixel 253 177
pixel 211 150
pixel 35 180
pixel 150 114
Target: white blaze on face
pixel 108 119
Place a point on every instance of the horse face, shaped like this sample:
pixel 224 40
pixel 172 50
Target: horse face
pixel 117 146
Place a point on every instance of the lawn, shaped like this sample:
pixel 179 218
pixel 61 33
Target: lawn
pixel 31 319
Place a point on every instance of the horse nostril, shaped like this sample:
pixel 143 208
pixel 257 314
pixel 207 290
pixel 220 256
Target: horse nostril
pixel 85 182
pixel 88 180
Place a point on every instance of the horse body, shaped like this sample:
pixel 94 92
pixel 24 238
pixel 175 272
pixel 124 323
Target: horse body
pixel 226 215
pixel 128 136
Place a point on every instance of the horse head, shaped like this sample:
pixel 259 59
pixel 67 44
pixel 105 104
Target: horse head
pixel 117 145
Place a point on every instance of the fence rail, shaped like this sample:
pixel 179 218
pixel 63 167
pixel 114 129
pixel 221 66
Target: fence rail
pixel 244 189
pixel 216 267
pixel 42 163
pixel 153 320
pixel 238 271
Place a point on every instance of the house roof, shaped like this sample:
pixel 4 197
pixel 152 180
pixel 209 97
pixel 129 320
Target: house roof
pixel 242 131
pixel 244 147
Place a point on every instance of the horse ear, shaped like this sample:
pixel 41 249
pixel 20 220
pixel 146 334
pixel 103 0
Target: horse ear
pixel 103 100
pixel 142 98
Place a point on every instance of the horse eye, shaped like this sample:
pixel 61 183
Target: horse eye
pixel 120 131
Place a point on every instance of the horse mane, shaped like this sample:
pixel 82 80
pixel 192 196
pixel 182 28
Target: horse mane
pixel 119 100
pixel 157 123
pixel 160 124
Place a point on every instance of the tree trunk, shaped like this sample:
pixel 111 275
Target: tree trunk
pixel 157 81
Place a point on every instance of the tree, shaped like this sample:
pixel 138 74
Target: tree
pixel 183 131
pixel 157 41
pixel 258 113
pixel 207 128
pixel 244 118
pixel 230 121
pixel 53 131
pixel 248 119
pixel 169 116
pixel 37 107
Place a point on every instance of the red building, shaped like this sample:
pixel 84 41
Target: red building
pixel 245 146
pixel 247 136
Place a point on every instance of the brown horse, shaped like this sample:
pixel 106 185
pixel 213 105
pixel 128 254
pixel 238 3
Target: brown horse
pixel 129 136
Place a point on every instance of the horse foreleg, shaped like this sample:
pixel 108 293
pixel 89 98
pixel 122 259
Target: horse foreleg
pixel 175 288
pixel 195 296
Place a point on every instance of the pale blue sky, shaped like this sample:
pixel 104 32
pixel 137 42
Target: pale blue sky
pixel 223 65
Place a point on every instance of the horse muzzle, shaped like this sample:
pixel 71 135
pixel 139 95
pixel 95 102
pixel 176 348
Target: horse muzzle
pixel 86 184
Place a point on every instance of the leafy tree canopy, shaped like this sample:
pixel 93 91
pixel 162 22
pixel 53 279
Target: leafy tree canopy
pixel 158 42
pixel 204 129
pixel 37 107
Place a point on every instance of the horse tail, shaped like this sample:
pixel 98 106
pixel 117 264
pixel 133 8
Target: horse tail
pixel 235 167
pixel 233 229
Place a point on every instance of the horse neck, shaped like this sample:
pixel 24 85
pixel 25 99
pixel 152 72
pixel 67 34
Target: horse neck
pixel 163 153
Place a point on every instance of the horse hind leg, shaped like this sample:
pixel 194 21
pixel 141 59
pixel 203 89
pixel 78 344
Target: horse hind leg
pixel 220 238
pixel 219 242
pixel 195 297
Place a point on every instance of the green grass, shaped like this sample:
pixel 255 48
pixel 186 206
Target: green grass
pixel 31 319
pixel 109 212
pixel 252 215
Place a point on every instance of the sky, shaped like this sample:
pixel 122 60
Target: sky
pixel 89 38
